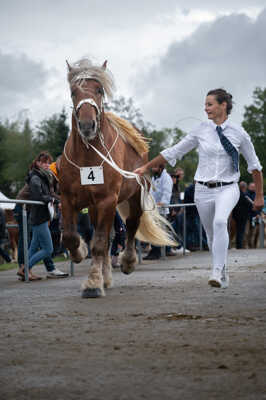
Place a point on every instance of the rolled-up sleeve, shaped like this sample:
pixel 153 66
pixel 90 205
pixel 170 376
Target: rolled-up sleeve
pixel 248 151
pixel 176 152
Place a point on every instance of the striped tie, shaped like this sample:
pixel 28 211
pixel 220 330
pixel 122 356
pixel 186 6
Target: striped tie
pixel 229 148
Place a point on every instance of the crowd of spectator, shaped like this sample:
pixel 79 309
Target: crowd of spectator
pixel 165 189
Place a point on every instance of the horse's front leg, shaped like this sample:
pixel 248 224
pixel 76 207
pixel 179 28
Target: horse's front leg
pixel 71 239
pixel 100 272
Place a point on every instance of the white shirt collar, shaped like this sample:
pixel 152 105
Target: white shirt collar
pixel 224 125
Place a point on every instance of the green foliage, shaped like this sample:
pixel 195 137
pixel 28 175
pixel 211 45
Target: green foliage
pixel 17 152
pixel 20 144
pixel 126 109
pixel 51 134
pixel 255 124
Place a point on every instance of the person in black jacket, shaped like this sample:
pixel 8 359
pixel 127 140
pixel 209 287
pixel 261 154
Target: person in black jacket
pixel 40 181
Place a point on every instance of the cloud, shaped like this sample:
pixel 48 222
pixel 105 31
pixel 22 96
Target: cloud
pixel 229 52
pixel 131 35
pixel 22 81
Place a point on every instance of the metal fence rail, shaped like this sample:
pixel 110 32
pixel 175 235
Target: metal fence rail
pixel 25 230
pixel 139 251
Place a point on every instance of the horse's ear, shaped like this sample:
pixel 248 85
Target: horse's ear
pixel 104 65
pixel 68 66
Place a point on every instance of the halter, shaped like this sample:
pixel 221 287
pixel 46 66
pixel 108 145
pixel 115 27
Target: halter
pixel 89 100
pixel 93 103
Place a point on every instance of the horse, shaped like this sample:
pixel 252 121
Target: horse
pixel 95 172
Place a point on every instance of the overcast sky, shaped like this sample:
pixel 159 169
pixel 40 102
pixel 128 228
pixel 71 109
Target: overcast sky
pixel 165 54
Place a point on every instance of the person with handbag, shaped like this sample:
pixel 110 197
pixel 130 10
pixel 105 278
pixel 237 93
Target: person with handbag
pixel 219 142
pixel 40 182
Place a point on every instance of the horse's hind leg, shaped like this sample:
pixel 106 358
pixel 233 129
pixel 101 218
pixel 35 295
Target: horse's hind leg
pixel 129 256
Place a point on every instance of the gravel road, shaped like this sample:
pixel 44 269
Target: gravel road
pixel 160 333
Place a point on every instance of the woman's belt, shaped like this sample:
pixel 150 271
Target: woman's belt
pixel 211 185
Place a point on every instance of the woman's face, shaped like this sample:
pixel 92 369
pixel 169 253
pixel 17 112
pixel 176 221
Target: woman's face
pixel 215 111
pixel 43 164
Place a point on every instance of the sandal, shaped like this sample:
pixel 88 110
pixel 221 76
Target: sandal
pixel 35 278
pixel 21 276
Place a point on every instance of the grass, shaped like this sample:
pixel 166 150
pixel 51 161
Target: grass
pixel 7 266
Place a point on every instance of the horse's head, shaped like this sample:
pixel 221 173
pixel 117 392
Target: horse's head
pixel 87 92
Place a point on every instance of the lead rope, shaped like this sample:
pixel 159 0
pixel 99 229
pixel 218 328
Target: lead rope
pixel 145 195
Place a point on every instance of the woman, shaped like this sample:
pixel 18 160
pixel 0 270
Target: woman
pixel 219 143
pixel 40 181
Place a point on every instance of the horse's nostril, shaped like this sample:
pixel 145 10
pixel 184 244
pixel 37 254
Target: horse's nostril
pixel 87 126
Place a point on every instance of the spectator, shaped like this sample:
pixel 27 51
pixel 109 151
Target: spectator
pixel 161 191
pixel 193 222
pixel 40 186
pixel 176 216
pixel 175 199
pixel 253 219
pixel 3 235
pixel 240 214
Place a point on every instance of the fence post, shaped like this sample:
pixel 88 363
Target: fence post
pixel 25 242
pixel 139 252
pixel 184 232
pixel 200 234
pixel 71 268
pixel 261 233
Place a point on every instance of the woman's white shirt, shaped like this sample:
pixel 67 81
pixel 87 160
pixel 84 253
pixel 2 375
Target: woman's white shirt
pixel 214 162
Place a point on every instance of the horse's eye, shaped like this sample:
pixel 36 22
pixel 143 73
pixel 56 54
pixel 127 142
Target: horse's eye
pixel 99 90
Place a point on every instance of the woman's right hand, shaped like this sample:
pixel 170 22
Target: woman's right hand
pixel 141 170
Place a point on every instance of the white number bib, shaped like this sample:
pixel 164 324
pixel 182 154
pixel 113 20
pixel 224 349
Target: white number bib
pixel 91 175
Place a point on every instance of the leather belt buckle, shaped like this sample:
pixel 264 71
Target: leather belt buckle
pixel 212 185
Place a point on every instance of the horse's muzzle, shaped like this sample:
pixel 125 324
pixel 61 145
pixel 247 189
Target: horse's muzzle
pixel 88 129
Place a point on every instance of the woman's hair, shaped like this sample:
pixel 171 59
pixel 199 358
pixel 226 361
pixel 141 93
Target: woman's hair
pixel 44 156
pixel 222 95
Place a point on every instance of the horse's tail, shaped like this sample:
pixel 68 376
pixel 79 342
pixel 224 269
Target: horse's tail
pixel 153 228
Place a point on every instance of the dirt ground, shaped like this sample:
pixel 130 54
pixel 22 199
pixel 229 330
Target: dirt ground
pixel 160 333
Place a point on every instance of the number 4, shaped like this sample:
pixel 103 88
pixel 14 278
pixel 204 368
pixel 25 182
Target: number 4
pixel 91 176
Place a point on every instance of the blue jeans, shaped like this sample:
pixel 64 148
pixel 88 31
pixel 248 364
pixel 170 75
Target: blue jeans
pixel 41 245
pixel 48 261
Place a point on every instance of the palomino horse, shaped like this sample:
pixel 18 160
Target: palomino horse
pixel 94 172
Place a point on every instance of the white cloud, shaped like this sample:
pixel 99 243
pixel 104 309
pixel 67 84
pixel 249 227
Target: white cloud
pixel 229 52
pixel 133 36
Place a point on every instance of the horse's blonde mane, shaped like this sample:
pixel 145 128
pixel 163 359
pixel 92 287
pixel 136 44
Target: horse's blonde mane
pixel 84 68
pixel 128 133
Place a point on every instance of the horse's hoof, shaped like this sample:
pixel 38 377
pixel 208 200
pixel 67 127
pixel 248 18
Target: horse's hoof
pixel 127 271
pixel 75 260
pixel 91 293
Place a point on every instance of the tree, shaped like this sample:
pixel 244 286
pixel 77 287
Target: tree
pixel 126 109
pixel 255 124
pixel 52 133
pixel 17 152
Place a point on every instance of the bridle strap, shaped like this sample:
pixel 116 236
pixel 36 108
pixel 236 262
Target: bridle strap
pixel 93 103
pixel 90 101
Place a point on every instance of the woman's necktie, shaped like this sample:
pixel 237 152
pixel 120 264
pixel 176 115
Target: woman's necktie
pixel 229 148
